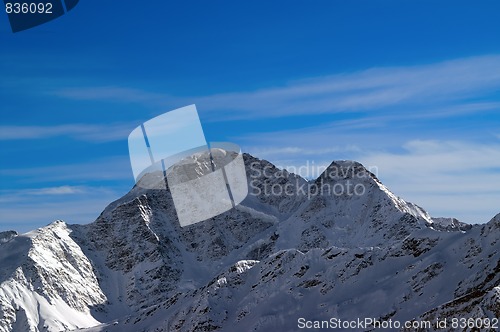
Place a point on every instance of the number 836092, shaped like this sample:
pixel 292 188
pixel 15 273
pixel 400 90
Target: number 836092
pixel 28 8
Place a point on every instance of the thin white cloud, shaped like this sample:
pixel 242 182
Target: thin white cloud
pixel 375 88
pixel 443 158
pixel 290 151
pixel 333 137
pixel 450 111
pixel 26 209
pixel 107 169
pixel 111 93
pixel 85 132
pixel 448 178
pixel 443 82
pixel 60 190
pixel 42 210
pixel 65 192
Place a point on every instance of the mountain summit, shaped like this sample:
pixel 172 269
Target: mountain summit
pixel 342 246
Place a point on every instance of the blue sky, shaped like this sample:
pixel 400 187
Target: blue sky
pixel 410 88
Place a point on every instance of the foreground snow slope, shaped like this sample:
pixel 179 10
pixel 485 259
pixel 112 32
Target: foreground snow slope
pixel 47 283
pixel 261 266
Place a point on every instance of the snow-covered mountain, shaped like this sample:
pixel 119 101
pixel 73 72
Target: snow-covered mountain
pixel 342 246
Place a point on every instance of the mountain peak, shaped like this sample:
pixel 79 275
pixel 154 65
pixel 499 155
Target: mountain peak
pixel 135 268
pixel 347 169
pixel 494 223
pixel 449 224
pixel 7 236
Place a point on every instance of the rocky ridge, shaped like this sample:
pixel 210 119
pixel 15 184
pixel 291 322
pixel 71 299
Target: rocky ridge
pixel 313 251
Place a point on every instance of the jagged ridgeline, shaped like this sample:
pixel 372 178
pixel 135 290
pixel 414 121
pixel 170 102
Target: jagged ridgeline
pixel 313 250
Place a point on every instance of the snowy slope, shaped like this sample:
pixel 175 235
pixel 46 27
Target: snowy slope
pixel 47 283
pixel 275 258
pixel 272 294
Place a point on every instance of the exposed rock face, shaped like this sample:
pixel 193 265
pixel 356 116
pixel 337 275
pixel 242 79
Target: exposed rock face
pixel 342 246
pixel 47 282
pixel 449 224
pixel 7 236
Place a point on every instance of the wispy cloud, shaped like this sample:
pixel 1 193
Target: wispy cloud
pixel 85 132
pixel 429 162
pixel 29 208
pixel 293 151
pixel 445 177
pixel 114 93
pixel 445 82
pixel 108 169
pixel 61 190
pixel 24 210
pixel 12 196
pixel 332 137
pixel 448 81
